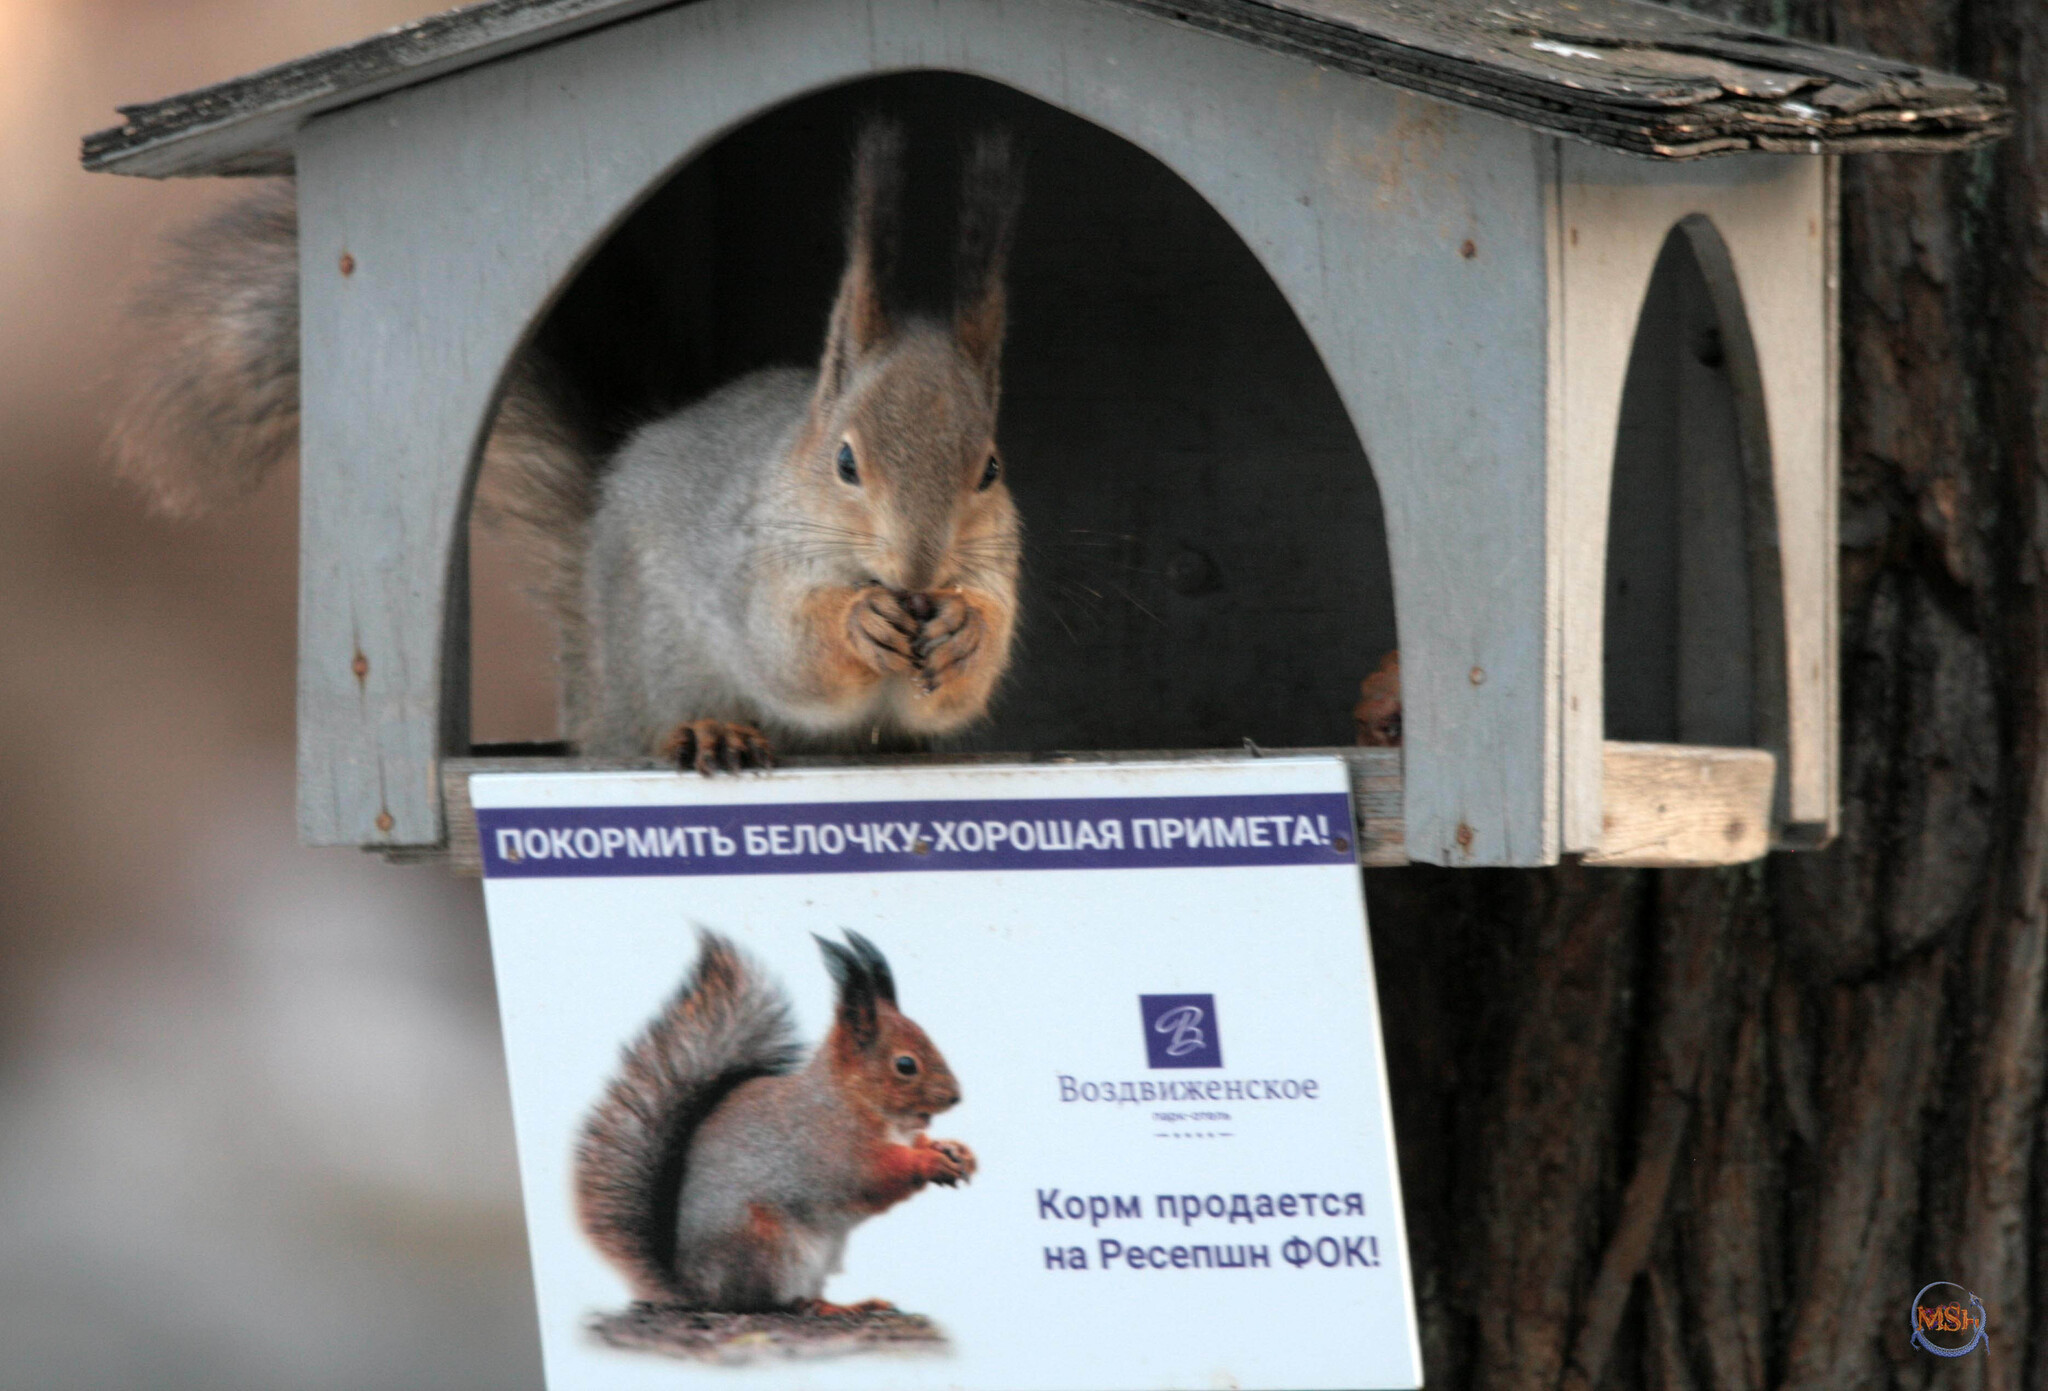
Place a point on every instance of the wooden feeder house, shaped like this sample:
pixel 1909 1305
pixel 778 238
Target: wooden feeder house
pixel 1503 333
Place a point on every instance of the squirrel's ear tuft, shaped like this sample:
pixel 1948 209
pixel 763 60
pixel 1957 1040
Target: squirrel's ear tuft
pixel 991 190
pixel 860 315
pixel 718 961
pixel 877 965
pixel 857 992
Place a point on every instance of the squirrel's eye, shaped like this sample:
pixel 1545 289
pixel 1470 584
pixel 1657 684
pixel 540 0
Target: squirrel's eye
pixel 906 1065
pixel 849 472
pixel 990 474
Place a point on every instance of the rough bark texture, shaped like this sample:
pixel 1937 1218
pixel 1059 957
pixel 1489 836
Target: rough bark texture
pixel 1714 1129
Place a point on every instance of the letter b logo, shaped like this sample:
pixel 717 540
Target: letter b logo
pixel 1180 1031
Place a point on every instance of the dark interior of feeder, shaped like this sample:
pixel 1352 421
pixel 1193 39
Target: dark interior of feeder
pixel 1690 580
pixel 1205 560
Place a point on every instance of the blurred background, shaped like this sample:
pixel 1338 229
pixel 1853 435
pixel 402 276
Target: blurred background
pixel 253 1119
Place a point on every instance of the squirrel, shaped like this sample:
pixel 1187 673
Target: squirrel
pixel 717 1174
pixel 1377 716
pixel 806 557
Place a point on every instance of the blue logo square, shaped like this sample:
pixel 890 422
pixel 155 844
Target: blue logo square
pixel 1180 1031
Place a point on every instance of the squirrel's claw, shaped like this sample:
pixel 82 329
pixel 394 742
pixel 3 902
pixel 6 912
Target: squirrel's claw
pixel 958 1164
pixel 948 641
pixel 708 745
pixel 884 631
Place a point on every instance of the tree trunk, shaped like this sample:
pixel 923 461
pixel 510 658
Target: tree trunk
pixel 1714 1129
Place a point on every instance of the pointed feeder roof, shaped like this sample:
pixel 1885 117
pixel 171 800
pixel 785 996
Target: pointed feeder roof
pixel 1637 77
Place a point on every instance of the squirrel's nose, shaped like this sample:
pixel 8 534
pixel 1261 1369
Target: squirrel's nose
pixel 917 604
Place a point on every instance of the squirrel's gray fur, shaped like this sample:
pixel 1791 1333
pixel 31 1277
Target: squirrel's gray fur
pixel 712 569
pixel 215 406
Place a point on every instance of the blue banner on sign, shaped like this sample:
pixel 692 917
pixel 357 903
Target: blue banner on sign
pixel 895 837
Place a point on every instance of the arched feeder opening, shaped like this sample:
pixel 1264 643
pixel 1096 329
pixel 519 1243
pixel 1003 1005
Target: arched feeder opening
pixel 1694 620
pixel 1205 558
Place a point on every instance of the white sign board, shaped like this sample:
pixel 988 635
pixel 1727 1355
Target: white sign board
pixel 1152 988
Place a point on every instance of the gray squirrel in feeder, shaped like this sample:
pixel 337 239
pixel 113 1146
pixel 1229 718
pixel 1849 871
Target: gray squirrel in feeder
pixel 801 557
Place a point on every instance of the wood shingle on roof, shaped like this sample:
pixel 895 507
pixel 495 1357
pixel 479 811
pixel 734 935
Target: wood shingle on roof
pixel 1637 77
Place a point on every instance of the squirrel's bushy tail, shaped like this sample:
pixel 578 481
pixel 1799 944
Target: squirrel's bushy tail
pixel 212 405
pixel 727 1023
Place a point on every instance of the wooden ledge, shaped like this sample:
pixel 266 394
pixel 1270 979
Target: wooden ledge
pixel 1667 805
pixel 1673 805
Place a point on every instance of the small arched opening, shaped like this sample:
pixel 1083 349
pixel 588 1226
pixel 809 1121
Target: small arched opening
pixel 1694 616
pixel 1206 558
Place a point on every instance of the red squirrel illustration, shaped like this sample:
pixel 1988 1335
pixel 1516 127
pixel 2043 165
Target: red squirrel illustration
pixel 718 1173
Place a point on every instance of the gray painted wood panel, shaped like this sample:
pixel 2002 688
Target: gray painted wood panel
pixel 1409 236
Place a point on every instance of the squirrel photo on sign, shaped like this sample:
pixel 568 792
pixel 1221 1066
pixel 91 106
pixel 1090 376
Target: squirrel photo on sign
pixel 804 558
pixel 721 1178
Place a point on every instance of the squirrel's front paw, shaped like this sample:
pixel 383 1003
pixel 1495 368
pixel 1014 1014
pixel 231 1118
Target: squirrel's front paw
pixel 950 1161
pixel 1378 714
pixel 883 631
pixel 708 745
pixel 948 640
